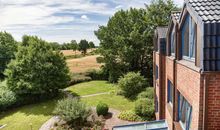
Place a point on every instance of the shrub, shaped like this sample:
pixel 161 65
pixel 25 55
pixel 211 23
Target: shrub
pixel 129 116
pixel 72 111
pixel 37 69
pixel 132 84
pixel 148 93
pixel 145 108
pixel 100 59
pixel 79 78
pixel 98 74
pixel 7 98
pixel 102 109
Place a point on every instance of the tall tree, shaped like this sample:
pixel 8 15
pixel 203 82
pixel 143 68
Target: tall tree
pixel 126 43
pixel 8 47
pixel 74 45
pixel 83 46
pixel 37 69
pixel 91 45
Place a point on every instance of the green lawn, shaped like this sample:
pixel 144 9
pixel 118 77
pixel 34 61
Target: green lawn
pixel 94 87
pixel 114 101
pixel 21 118
pixel 91 87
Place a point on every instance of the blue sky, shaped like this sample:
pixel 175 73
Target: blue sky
pixel 61 20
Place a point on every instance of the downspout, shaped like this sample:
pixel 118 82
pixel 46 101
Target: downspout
pixel 174 73
pixel 205 100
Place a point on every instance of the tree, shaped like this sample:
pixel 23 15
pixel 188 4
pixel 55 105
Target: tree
pixel 91 45
pixel 126 43
pixel 55 45
pixel 37 69
pixel 8 47
pixel 83 46
pixel 74 46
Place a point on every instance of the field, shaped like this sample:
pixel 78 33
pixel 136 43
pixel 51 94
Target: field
pixel 71 52
pixel 84 64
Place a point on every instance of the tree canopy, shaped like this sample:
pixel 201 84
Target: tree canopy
pixel 83 46
pixel 37 69
pixel 126 43
pixel 8 47
pixel 91 45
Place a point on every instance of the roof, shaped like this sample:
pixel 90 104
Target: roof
pixel 162 32
pixel 176 15
pixel 208 10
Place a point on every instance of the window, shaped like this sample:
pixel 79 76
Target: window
pixel 172 42
pixel 170 92
pixel 184 112
pixel 189 33
pixel 157 73
pixel 156 105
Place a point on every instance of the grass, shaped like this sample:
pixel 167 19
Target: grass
pixel 22 118
pixel 114 101
pixel 81 65
pixel 91 87
pixel 94 87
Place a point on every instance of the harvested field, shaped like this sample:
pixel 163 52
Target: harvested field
pixel 71 52
pixel 84 64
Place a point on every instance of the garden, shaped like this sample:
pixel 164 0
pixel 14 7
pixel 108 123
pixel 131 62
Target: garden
pixel 38 82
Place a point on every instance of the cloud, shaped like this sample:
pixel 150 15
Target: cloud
pixel 84 17
pixel 60 20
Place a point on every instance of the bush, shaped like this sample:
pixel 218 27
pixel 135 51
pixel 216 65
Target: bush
pixel 129 116
pixel 98 74
pixel 132 84
pixel 148 93
pixel 79 78
pixel 7 99
pixel 73 111
pixel 100 59
pixel 145 108
pixel 102 109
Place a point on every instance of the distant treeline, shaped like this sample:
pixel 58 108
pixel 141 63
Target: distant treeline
pixel 72 45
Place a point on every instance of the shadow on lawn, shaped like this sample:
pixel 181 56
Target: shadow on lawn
pixel 43 108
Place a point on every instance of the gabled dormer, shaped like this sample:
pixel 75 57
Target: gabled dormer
pixel 172 34
pixel 199 38
pixel 160 40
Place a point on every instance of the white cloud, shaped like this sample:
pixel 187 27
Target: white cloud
pixel 84 17
pixel 41 17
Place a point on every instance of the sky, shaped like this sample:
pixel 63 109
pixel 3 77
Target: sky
pixel 61 20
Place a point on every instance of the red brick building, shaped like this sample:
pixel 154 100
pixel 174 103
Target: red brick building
pixel 187 67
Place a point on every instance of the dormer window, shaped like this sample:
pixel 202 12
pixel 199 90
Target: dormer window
pixel 189 39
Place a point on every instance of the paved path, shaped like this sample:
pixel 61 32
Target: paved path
pixel 91 95
pixel 49 124
pixel 115 121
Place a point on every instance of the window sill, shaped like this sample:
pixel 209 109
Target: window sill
pixel 170 109
pixel 189 64
pixel 177 126
pixel 171 57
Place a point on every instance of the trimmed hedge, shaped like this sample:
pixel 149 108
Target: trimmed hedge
pixel 102 109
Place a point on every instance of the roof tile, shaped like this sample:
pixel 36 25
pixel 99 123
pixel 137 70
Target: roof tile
pixel 208 10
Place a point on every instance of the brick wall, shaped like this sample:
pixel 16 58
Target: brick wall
pixel 213 102
pixel 169 76
pixel 188 83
